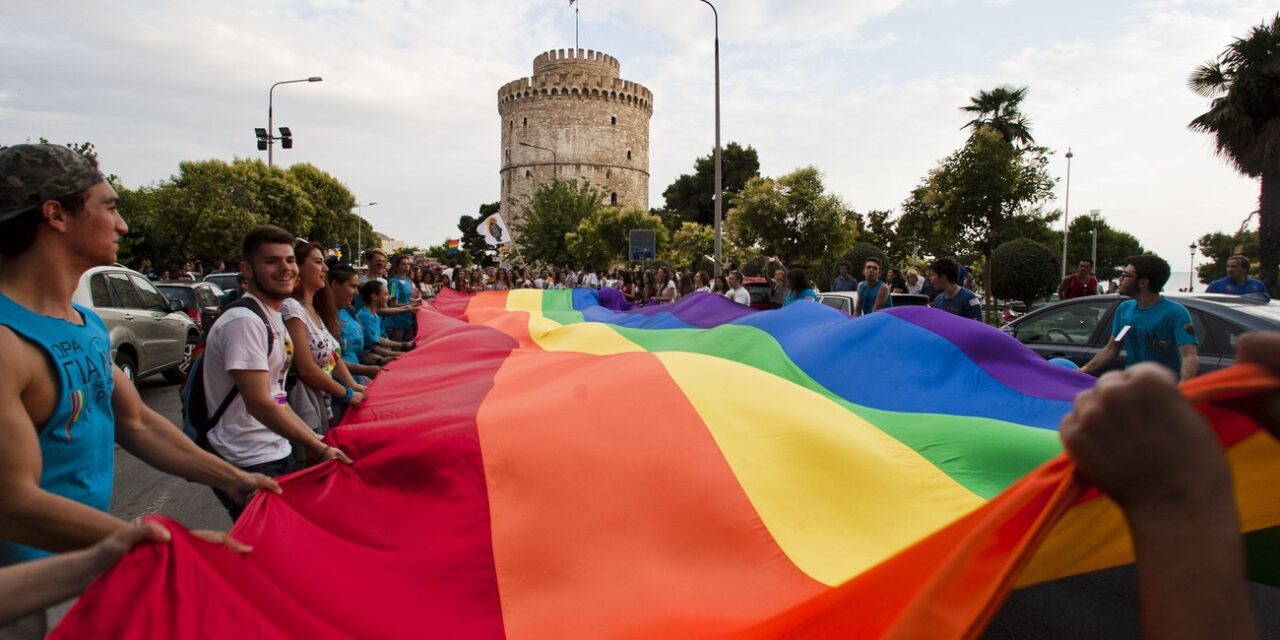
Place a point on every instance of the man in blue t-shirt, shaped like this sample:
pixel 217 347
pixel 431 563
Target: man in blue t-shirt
pixel 1150 327
pixel 944 273
pixel 873 294
pixel 844 281
pixel 1237 281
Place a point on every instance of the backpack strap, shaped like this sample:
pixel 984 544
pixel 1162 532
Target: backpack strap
pixel 243 302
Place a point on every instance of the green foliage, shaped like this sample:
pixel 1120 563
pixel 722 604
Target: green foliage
pixel 603 237
pixel 555 210
pixel 1244 120
pixel 1218 246
pixel 1023 269
pixel 691 195
pixel 793 218
pixel 857 256
pixel 691 243
pixel 1114 247
pixel 998 110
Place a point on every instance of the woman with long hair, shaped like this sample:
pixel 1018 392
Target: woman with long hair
pixel 686 285
pixel 897 284
pixel 628 287
pixel 701 282
pixel 798 287
pixel 311 318
pixel 502 281
pixel 720 285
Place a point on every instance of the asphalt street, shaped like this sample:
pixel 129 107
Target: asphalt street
pixel 1096 606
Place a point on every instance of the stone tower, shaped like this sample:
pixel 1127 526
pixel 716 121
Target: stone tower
pixel 574 119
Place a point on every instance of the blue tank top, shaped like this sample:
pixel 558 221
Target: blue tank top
pixel 867 299
pixel 77 444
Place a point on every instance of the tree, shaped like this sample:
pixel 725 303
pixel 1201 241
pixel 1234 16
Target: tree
pixel 999 110
pixel 604 237
pixel 794 218
pixel 690 244
pixel 555 210
pixel 1218 246
pixel 331 202
pixel 691 195
pixel 1024 270
pixel 976 193
pixel 1244 120
pixel 857 257
pixel 1114 246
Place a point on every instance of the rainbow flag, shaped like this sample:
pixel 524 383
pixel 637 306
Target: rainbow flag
pixel 452 245
pixel 543 466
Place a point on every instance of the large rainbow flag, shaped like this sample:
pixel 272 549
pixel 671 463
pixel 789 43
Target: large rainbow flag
pixel 545 467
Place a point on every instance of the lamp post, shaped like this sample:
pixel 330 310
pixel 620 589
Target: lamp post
pixel 1066 213
pixel 271 137
pixel 1191 277
pixel 1095 214
pixel 360 232
pixel 718 198
pixel 555 164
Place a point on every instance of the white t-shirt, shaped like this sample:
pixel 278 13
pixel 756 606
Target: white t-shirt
pixel 324 348
pixel 671 286
pixel 238 342
pixel 590 281
pixel 702 290
pixel 739 295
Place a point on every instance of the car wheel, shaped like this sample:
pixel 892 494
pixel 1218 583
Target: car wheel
pixel 127 365
pixel 179 373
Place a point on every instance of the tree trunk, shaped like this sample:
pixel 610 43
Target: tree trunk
pixel 1269 230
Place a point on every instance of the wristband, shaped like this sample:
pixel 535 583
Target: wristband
pixel 347 398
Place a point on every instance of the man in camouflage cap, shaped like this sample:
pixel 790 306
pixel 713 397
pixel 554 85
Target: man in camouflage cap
pixel 32 174
pixel 63 404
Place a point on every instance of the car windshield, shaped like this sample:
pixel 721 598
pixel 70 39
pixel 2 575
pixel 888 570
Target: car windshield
pixel 186 295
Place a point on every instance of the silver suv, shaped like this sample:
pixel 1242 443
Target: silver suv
pixel 149 333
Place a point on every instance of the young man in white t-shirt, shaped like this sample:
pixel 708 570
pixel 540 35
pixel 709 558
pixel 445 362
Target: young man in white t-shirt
pixel 737 292
pixel 258 432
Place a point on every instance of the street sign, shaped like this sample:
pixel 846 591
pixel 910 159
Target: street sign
pixel 643 245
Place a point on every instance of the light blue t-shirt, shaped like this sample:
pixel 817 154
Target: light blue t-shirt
pixel 806 294
pixel 867 299
pixel 352 337
pixel 1225 285
pixel 1155 333
pixel 373 327
pixel 401 290
pixel 77 443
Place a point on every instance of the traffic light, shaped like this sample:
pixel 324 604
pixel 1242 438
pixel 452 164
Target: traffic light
pixel 286 138
pixel 262 138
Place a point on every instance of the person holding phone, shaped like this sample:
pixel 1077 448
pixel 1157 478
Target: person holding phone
pixel 1150 327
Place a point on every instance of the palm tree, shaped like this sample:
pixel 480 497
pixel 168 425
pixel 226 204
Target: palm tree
pixel 998 109
pixel 1244 120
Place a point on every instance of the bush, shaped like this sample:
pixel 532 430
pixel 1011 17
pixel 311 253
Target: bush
pixel 857 256
pixel 1023 270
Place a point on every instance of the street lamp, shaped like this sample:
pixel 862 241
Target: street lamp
pixel 360 232
pixel 286 136
pixel 1191 276
pixel 1095 214
pixel 719 199
pixel 1066 213
pixel 555 164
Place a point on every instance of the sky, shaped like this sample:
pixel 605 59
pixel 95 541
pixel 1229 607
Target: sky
pixel 868 92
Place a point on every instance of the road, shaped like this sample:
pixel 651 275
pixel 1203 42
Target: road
pixel 1096 606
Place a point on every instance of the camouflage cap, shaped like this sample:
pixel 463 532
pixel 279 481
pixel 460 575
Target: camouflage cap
pixel 32 174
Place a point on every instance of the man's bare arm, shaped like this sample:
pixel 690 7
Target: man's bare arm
pixel 1103 357
pixel 255 388
pixel 1190 361
pixel 161 444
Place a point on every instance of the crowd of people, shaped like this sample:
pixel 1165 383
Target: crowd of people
pixel 63 406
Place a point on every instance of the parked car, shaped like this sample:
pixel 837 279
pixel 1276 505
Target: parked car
pixel 1079 328
pixel 149 332
pixel 225 281
pixel 200 300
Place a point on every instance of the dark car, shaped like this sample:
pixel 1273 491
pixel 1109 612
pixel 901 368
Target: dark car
pixel 199 300
pixel 225 281
pixel 1079 328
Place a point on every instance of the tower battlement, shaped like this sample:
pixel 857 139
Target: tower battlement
pixel 553 60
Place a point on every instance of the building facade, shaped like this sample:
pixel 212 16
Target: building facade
pixel 575 118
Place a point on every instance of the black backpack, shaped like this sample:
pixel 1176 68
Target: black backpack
pixel 196 421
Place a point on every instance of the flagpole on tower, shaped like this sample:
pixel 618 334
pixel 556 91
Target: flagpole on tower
pixel 575 23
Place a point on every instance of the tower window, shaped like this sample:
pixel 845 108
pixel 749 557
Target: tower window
pixel 608 173
pixel 508 155
pixel 613 119
pixel 511 125
pixel 528 173
pixel 628 154
pixel 526 123
pixel 613 198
